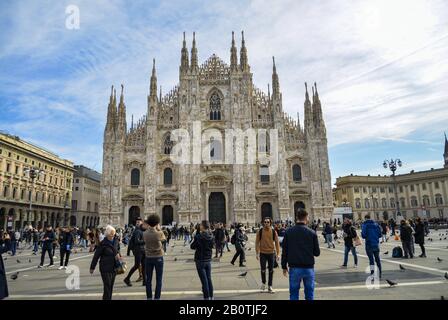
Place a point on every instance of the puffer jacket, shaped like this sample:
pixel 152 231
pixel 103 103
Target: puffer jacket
pixel 371 231
pixel 203 244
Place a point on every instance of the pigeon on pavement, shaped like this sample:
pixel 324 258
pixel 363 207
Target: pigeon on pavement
pixel 18 261
pixel 243 274
pixel 446 275
pixel 14 276
pixel 391 283
pixel 440 260
pixel 387 252
pixel 402 268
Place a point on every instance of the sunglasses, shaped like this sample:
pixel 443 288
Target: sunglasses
pixel 267 221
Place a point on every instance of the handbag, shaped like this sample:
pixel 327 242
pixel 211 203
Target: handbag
pixel 120 267
pixel 357 241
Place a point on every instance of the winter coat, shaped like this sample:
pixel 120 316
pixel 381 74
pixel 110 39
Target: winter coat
pixel 371 231
pixel 66 238
pixel 349 235
pixel 419 233
pixel 51 237
pixel 203 244
pixel 5 247
pixel 136 242
pixel 240 240
pixel 106 252
pixel 219 235
pixel 300 245
pixel 405 233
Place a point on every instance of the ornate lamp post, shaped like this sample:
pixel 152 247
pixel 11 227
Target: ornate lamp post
pixel 393 166
pixel 33 173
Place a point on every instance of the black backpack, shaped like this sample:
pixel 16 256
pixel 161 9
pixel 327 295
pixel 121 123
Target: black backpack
pixel 233 238
pixel 397 252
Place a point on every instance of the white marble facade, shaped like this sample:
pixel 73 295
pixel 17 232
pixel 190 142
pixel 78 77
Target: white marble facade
pixel 140 177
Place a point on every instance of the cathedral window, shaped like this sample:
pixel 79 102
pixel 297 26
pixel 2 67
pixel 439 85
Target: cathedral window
pixel 263 141
pixel 264 174
pixel 215 107
pixel 215 149
pixel 167 145
pixel 296 173
pixel 135 177
pixel 168 177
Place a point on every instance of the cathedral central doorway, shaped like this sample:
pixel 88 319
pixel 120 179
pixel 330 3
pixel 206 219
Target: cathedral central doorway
pixel 298 205
pixel 217 207
pixel 167 215
pixel 266 210
pixel 134 213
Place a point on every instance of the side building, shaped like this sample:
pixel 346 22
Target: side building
pixel 86 197
pixel 49 193
pixel 423 193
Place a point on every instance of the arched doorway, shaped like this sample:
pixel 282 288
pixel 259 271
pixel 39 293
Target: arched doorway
pixel 167 215
pixel 298 205
pixel 217 207
pixel 73 221
pixel 134 213
pixel 266 210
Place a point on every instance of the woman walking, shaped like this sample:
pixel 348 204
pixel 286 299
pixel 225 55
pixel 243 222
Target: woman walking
pixel 420 236
pixel 203 244
pixel 108 253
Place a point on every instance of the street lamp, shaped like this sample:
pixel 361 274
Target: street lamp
pixel 393 166
pixel 33 173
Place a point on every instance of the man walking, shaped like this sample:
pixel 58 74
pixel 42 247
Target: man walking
pixel 349 235
pixel 300 246
pixel 47 246
pixel 371 232
pixel 219 239
pixel 267 248
pixel 240 242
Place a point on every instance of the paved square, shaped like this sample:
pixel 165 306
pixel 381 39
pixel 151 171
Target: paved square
pixel 422 279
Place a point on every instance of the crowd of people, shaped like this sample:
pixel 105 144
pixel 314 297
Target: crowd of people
pixel 293 246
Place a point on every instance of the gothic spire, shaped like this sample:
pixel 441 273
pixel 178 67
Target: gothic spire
pixel 269 92
pixel 111 112
pixel 275 83
pixel 184 56
pixel 153 85
pixel 160 94
pixel 194 54
pixel 243 54
pixel 233 55
pixel 122 112
pixel 308 122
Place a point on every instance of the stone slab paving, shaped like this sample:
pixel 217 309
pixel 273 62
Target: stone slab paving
pixel 422 279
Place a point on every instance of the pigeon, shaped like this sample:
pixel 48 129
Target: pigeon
pixel 446 275
pixel 243 274
pixel 175 259
pixel 391 283
pixel 402 268
pixel 29 260
pixel 14 276
pixel 442 298
pixel 249 249
pixel 440 260
pixel 387 252
pixel 444 238
pixel 18 261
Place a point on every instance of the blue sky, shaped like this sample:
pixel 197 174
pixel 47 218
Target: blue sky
pixel 381 68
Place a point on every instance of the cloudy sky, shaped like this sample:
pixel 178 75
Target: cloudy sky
pixel 381 68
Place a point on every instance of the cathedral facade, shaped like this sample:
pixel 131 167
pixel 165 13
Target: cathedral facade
pixel 212 101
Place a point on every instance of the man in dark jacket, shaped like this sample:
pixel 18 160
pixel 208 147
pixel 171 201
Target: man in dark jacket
pixel 371 232
pixel 349 235
pixel 47 246
pixel 240 243
pixel 219 239
pixel 138 250
pixel 420 236
pixel 300 246
pixel 35 236
pixel 65 246
pixel 4 247
pixel 406 238
pixel 203 244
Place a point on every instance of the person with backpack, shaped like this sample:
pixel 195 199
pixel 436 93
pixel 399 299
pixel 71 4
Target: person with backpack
pixel 137 245
pixel 239 240
pixel 406 239
pixel 203 246
pixel 349 235
pixel 420 236
pixel 371 232
pixel 267 248
pixel 219 239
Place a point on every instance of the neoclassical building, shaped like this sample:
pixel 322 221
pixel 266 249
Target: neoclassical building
pixel 215 102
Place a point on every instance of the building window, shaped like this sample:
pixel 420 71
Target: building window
pixel 264 174
pixel 88 206
pixel 356 189
pixel 366 203
pixel 135 177
pixel 263 141
pixel 382 189
pixel 8 167
pixel 74 204
pixel 384 203
pixel 391 189
pixel 412 188
pixel 215 149
pixel 358 203
pixel 297 174
pixel 439 199
pixel 392 202
pixel 441 213
pixel 14 191
pixel 76 188
pixel 5 191
pixel 436 185
pixel 424 186
pixel 168 177
pixel 402 202
pixel 414 202
pixel 375 203
pixel 401 188
pixel 373 189
pixel 96 206
pixel 167 144
pixel 364 189
pixel 426 201
pixel 215 107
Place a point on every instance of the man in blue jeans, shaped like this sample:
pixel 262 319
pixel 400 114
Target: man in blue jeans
pixel 300 246
pixel 371 231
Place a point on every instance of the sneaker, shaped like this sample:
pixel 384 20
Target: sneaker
pixel 343 266
pixel 242 265
pixel 355 266
pixel 65 267
pixel 270 290
pixel 40 266
pixel 51 265
pixel 61 267
pixel 128 282
pixel 232 263
pixel 263 288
